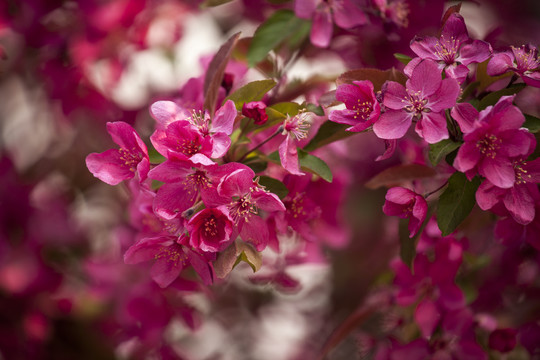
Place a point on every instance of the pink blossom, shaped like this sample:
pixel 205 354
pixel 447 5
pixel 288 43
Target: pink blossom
pixel 453 51
pixel 522 60
pixel 496 139
pixel 424 100
pixel 170 259
pixel 296 128
pixel 503 340
pixel 210 230
pixel 113 166
pixel 404 204
pixel 362 106
pixel 247 197
pixel 345 13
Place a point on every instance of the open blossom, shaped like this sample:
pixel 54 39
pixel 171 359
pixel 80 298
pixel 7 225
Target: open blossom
pixel 113 166
pixel 170 256
pixel 404 204
pixel 345 13
pixel 424 100
pixel 210 230
pixel 185 183
pixel 296 128
pixel 521 198
pixel 246 198
pixel 362 106
pixel 453 51
pixel 522 60
pixel 193 134
pixel 495 140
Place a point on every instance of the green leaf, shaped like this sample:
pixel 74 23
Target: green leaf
pixel 278 112
pixel 309 163
pixel 257 165
pixel 231 256
pixel 532 123
pixel 317 110
pixel 439 150
pixel 456 202
pixel 328 133
pixel 253 91
pixel 274 186
pixel 283 24
pixel 492 98
pixel 214 74
pixel 399 174
pixel 314 165
pixel 403 58
pixel 155 157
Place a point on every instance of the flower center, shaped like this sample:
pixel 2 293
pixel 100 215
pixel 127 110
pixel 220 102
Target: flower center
pixel 188 147
pixel 242 208
pixel 363 110
pixel 210 227
pixel 526 59
pixel 298 125
pixel 130 158
pixel 521 174
pixel 446 49
pixel 199 120
pixel 198 179
pixel 489 145
pixel 416 103
pixel 173 254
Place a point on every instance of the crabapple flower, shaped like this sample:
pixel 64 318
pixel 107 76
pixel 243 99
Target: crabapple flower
pixel 114 166
pixel 170 256
pixel 345 13
pixel 210 230
pixel 495 140
pixel 192 134
pixel 246 197
pixel 185 182
pixel 362 106
pixel 453 51
pixel 255 111
pixel 521 198
pixel 296 128
pixel 503 340
pixel 522 60
pixel 396 11
pixel 404 204
pixel 424 99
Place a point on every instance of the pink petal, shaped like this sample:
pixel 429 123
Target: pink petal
pixel 467 157
pixel 424 47
pixel 165 271
pixel 108 167
pixel 223 120
pixel 289 156
pixel 255 231
pixel 499 171
pixel 426 78
pixel 304 8
pixel 445 97
pixel 427 317
pixel 165 112
pixel 465 114
pixel 321 30
pixel 488 195
pixel 393 124
pixel 520 204
pixel 476 52
pixel 395 95
pixel 172 199
pixel 347 15
pixel 221 143
pixel 432 127
pixel 500 63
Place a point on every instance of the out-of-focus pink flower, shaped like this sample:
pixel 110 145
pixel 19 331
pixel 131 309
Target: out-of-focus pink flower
pixel 424 99
pixel 404 204
pixel 522 60
pixel 210 230
pixel 362 106
pixel 495 140
pixel 503 340
pixel 113 166
pixel 170 256
pixel 255 111
pixel 345 13
pixel 453 51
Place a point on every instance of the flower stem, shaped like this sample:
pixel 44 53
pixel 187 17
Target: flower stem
pixel 426 195
pixel 278 131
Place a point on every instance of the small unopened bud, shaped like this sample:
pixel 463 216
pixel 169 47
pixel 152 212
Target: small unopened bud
pixel 255 110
